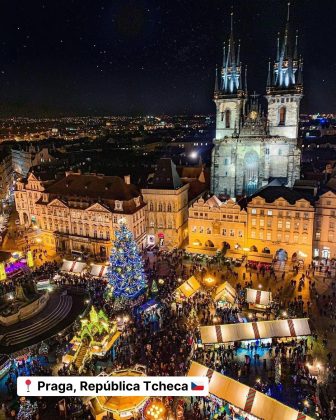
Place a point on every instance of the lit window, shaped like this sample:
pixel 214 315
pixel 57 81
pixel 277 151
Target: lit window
pixel 254 211
pixel 269 212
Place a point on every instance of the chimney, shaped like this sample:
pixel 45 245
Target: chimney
pixel 127 179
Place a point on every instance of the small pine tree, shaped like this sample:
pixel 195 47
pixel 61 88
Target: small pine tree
pixel 126 272
pixel 27 410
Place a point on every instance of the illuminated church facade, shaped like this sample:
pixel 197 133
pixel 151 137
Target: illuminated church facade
pixel 252 148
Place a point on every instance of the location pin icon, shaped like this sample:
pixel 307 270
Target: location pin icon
pixel 28 382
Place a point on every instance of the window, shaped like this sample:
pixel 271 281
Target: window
pixel 226 161
pixel 227 118
pixel 151 207
pixel 115 219
pixel 295 238
pixel 160 207
pixel 305 226
pixel 262 212
pixel 261 235
pixel 262 222
pixel 254 211
pixel 279 224
pixel 254 222
pixel 151 224
pixel 269 212
pixel 232 232
pixel 282 115
pixel 328 203
pixel 279 236
pixel 318 235
pixel 194 229
pixel 201 229
pixel 305 215
pixel 332 213
pixel 208 231
pixel 286 237
pixel 331 225
pixel 224 232
pixel 240 233
pixel 169 208
pixel 118 205
pixel 287 224
pixel 108 235
pixel 253 234
pixel 269 223
pixel 268 236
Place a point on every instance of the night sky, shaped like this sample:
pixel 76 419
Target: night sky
pixel 73 57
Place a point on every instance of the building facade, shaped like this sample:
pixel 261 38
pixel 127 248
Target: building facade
pixel 281 224
pixel 324 242
pixel 214 225
pixel 276 223
pixel 251 148
pixel 6 179
pixel 80 212
pixel 167 207
pixel 24 158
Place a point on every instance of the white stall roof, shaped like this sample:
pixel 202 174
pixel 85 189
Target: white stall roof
pixel 254 330
pixel 98 270
pixel 226 291
pixel 242 396
pixel 258 297
pixel 73 266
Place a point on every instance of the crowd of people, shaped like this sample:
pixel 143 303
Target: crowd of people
pixel 162 337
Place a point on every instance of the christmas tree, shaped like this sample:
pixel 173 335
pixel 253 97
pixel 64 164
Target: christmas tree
pixel 126 273
pixel 27 410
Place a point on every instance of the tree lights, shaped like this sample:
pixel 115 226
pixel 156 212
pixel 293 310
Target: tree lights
pixel 126 273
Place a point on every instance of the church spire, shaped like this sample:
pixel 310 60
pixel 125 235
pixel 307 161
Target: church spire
pixel 231 82
pixel 268 84
pixel 286 66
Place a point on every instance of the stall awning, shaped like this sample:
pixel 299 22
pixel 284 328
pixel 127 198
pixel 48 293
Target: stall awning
pixel 257 258
pixel 73 266
pixel 258 297
pixel 242 396
pixel 254 330
pixel 227 292
pixel 98 270
pixel 189 288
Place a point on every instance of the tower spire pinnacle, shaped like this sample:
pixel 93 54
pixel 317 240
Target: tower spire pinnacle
pixel 216 79
pixel 268 84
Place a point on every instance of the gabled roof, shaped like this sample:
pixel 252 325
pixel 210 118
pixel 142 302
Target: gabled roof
pixel 166 176
pixel 272 193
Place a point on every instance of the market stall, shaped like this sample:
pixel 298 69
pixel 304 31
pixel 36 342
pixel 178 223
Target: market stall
pixel 120 407
pixel 255 330
pixel 98 270
pixel 188 288
pixel 225 292
pixel 75 267
pixel 246 401
pixel 258 299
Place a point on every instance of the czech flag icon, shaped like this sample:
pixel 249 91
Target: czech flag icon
pixel 195 387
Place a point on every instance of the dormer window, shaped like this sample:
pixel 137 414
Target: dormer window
pixel 137 201
pixel 282 115
pixel 118 205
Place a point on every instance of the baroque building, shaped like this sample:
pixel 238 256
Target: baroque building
pixel 167 206
pixel 252 148
pixel 274 223
pixel 324 243
pixel 80 211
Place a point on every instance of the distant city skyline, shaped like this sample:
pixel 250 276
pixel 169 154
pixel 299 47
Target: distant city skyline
pixel 150 58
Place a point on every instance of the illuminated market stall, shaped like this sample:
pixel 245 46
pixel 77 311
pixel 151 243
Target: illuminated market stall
pixel 255 331
pixel 75 267
pixel 244 402
pixel 188 288
pixel 225 293
pixel 124 407
pixel 97 336
pixel 98 270
pixel 258 299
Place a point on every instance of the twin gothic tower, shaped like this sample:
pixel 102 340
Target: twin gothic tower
pixel 251 149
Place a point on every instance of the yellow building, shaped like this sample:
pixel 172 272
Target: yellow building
pixel 80 212
pixel 274 223
pixel 280 223
pixel 324 242
pixel 214 224
pixel 167 206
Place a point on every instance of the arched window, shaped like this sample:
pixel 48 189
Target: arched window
pixel 151 207
pixel 160 207
pixel 227 118
pixel 169 208
pixel 282 115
